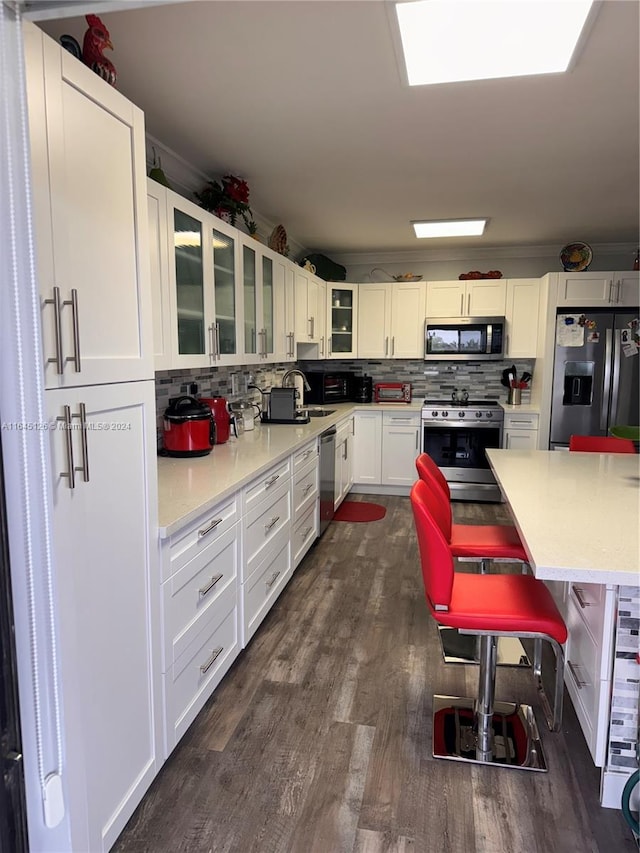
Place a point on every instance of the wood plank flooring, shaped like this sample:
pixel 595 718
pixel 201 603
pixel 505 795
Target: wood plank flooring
pixel 319 738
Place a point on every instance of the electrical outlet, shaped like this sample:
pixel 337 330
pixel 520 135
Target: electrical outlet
pixel 238 383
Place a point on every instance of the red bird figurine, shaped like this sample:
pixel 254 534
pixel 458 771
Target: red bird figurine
pixel 96 39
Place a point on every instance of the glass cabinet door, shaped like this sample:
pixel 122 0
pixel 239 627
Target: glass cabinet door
pixel 342 321
pixel 189 284
pixel 267 306
pixel 224 283
pixel 250 290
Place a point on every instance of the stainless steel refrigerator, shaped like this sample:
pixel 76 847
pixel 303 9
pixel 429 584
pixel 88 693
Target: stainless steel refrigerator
pixel 595 373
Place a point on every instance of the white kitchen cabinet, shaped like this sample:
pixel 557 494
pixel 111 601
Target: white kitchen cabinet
pixel 391 320
pixel 341 320
pixel 343 460
pixel 520 431
pixel 310 314
pixel 306 496
pixel 284 339
pixel 90 216
pixel 485 297
pixel 400 447
pixel 159 269
pixel 264 289
pixel 598 289
pixel 367 448
pixel 104 505
pixel 523 302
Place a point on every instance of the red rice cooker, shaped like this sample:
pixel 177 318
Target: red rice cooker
pixel 189 428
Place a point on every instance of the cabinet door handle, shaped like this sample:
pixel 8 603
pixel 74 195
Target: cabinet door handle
pixel 71 471
pixel 618 289
pixel 461 304
pixel 75 358
pixel 578 593
pixel 330 344
pixel 211 526
pixel 313 327
pixel 469 304
pixel 507 347
pixel 82 415
pixel 205 589
pixel 58 360
pixel 346 452
pixel 271 480
pixel 417 438
pixel 393 346
pixel 274 520
pixel 216 339
pixel 610 299
pixel 212 346
pixel 579 682
pixel 306 532
pixel 386 346
pixel 273 579
pixel 211 660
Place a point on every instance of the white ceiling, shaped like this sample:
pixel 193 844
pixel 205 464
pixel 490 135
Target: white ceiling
pixel 305 100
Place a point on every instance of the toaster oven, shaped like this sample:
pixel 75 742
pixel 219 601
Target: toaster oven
pixel 392 392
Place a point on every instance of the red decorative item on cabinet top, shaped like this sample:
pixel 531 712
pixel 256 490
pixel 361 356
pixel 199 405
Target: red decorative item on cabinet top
pixel 97 39
pixel 475 274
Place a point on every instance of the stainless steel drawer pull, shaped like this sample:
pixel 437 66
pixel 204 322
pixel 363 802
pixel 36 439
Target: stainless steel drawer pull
pixel 210 661
pixel 579 682
pixel 57 306
pixel 579 594
pixel 211 526
pixel 82 414
pixel 71 471
pixel 273 579
pixel 307 532
pixel 273 521
pixel 75 358
pixel 307 488
pixel 205 589
pixel 271 480
pixel 308 453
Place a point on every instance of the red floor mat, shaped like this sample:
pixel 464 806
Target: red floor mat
pixel 359 511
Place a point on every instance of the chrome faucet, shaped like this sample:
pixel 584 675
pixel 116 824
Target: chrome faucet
pixel 293 372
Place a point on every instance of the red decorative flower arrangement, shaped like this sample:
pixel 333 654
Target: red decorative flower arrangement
pixel 228 199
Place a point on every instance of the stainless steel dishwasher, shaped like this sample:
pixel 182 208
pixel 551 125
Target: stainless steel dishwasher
pixel 327 476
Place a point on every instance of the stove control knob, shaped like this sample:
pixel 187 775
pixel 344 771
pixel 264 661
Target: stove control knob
pixel 434 414
pixel 478 414
pixel 461 414
pixel 445 414
pixel 489 414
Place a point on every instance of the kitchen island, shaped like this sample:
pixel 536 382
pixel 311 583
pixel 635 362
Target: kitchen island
pixel 577 515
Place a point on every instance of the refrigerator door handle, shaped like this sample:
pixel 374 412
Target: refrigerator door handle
pixel 615 386
pixel 604 406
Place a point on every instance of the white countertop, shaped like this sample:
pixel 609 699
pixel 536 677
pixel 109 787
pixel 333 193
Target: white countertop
pixel 577 513
pixel 190 486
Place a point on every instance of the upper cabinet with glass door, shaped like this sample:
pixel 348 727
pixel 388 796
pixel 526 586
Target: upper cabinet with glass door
pixel 342 320
pixel 224 246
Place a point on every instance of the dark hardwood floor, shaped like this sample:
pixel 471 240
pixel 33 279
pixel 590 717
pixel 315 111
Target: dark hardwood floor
pixel 319 738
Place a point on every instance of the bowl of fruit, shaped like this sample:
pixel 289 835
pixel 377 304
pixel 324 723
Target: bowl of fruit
pixel 408 276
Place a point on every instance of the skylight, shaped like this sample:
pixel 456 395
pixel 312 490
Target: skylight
pixel 445 41
pixel 450 228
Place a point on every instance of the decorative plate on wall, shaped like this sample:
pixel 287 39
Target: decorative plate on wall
pixel 576 257
pixel 278 240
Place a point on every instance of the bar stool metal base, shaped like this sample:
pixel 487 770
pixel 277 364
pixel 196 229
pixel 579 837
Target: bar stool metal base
pixel 515 740
pixel 463 648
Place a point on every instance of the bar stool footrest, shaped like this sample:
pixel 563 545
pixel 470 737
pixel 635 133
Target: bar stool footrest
pixel 515 741
pixel 463 648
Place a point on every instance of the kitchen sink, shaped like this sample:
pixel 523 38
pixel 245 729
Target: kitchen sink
pixel 319 413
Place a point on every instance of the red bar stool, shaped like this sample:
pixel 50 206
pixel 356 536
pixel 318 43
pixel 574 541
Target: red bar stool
pixel 601 444
pixel 481 543
pixel 489 606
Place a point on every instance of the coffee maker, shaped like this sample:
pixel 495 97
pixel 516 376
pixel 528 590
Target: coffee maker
pixel 362 389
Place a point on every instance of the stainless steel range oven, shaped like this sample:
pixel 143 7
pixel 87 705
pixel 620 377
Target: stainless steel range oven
pixel 456 435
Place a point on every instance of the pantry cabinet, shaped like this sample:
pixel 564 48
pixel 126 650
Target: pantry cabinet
pixel 391 320
pixel 522 307
pixel 472 298
pixel 598 289
pixel 89 200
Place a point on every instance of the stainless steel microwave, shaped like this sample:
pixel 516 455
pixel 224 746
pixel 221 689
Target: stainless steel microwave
pixel 464 338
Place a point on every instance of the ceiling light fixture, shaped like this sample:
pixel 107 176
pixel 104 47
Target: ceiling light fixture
pixel 450 228
pixel 446 41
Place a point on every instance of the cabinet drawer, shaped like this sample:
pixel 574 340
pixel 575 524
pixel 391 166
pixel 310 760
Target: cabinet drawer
pixel 401 419
pixel 304 534
pixel 302 457
pixel 305 489
pixel 197 672
pixel 265 485
pixel 518 421
pixel 198 535
pixel 261 590
pixel 589 602
pixel 582 660
pixel 192 594
pixel 262 524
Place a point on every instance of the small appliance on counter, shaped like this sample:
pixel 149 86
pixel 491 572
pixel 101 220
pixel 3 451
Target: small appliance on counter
pixel 282 408
pixel 221 416
pixel 244 413
pixel 326 387
pixel 189 428
pixel 392 392
pixel 362 389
